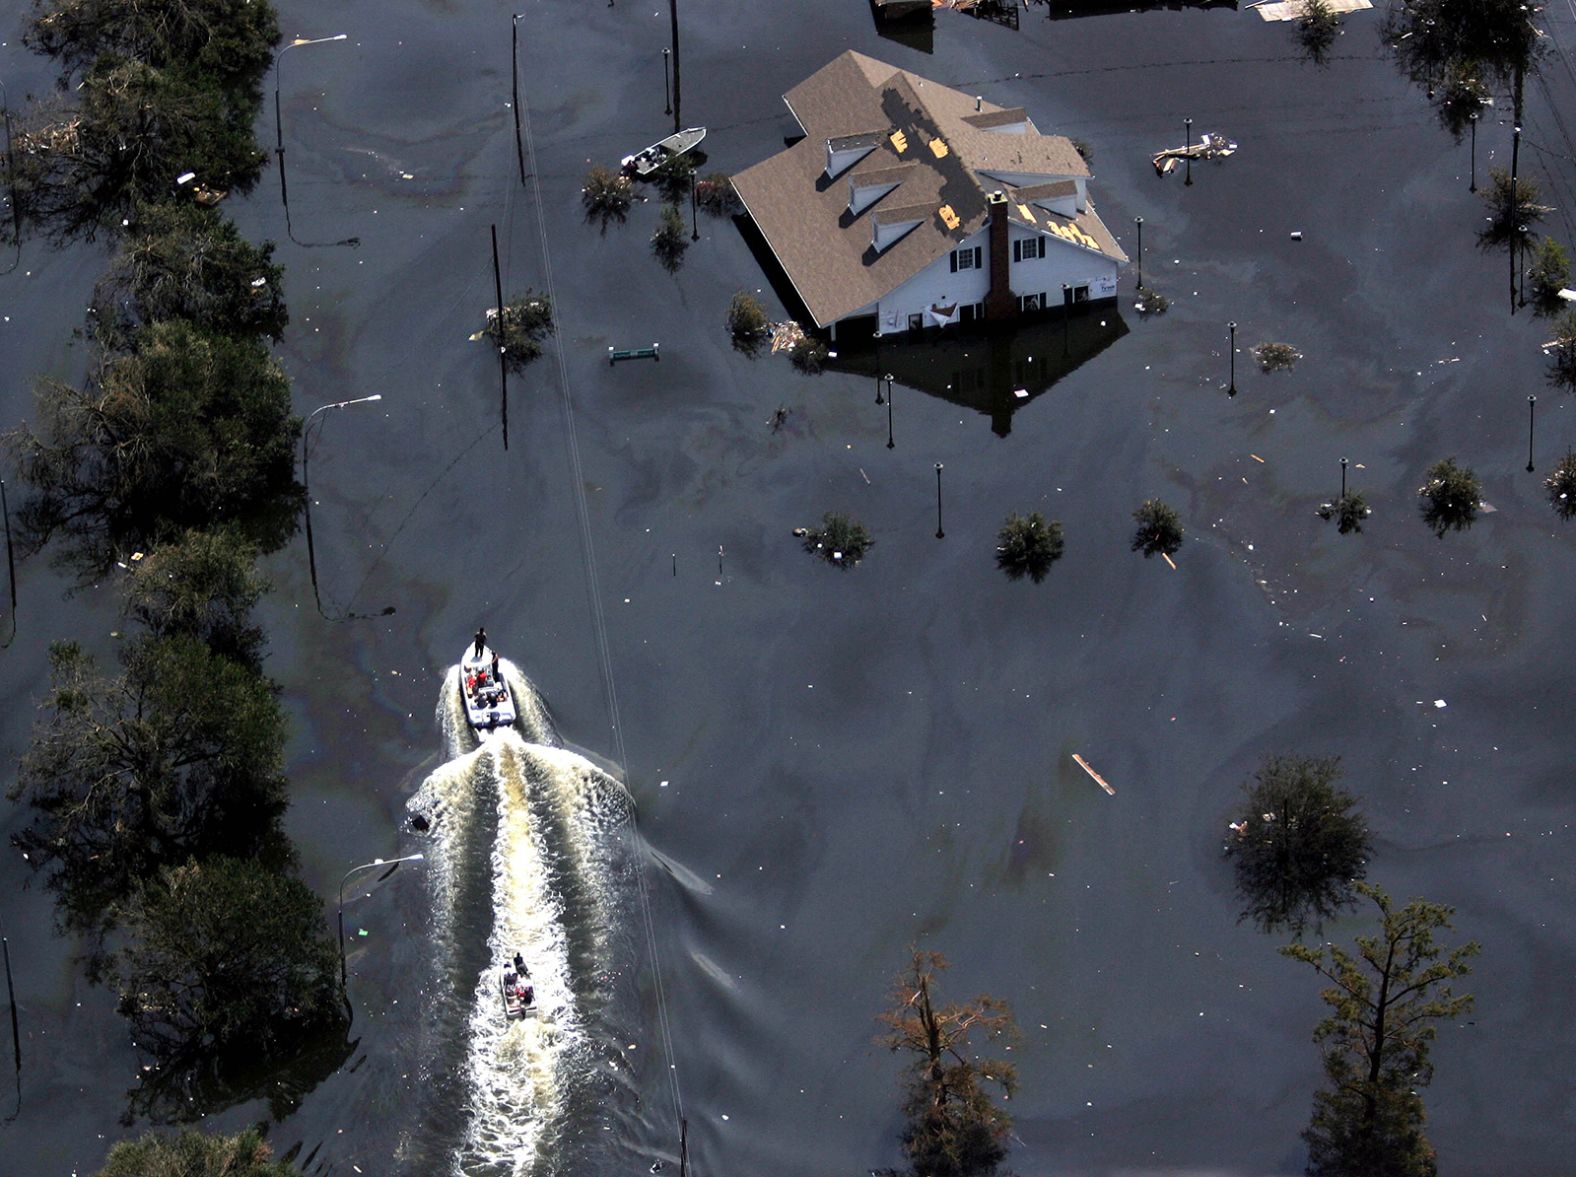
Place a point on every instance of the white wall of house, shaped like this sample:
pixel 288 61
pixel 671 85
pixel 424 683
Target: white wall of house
pixel 1063 263
pixel 936 284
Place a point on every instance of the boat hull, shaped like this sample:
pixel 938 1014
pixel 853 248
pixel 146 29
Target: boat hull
pixel 644 163
pixel 488 705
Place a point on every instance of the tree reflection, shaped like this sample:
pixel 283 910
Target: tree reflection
pixel 185 1093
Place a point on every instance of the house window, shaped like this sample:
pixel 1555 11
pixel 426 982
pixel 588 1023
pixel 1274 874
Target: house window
pixel 915 322
pixel 967 259
pixel 1080 294
pixel 1032 302
pixel 1028 249
pixel 968 312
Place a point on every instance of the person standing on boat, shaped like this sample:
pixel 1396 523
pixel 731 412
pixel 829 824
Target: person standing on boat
pixel 496 677
pixel 481 641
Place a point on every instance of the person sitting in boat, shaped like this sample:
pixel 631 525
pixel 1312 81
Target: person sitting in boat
pixel 510 980
pixel 470 682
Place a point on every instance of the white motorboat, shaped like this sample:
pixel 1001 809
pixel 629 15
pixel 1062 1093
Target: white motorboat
pixel 489 703
pixel 644 162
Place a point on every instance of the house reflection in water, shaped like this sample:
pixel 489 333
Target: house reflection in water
pixel 987 369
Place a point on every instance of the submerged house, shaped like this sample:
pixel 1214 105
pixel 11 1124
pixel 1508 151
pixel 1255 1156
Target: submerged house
pixel 910 204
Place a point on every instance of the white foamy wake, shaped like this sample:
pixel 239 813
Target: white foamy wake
pixel 517 1071
pixel 554 868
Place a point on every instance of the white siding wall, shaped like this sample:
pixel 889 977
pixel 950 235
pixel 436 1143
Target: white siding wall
pixel 1062 263
pixel 936 284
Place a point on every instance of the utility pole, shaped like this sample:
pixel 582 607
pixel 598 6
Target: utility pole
pixel 503 357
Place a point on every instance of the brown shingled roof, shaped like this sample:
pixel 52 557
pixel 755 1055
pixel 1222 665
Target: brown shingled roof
pixel 856 100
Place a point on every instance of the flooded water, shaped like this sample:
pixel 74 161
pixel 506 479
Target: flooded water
pixel 829 767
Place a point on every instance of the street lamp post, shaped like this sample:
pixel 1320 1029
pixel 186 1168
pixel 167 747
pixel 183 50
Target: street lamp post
pixel 1139 222
pixel 1231 388
pixel 667 92
pixel 940 534
pixel 1187 125
pixel 1532 418
pixel 1521 265
pixel 1473 118
pixel 880 400
pixel 694 205
pixel 391 863
pixel 279 134
pixel 890 442
pixel 10 171
pixel 10 561
pixel 514 82
pixel 1343 478
pixel 306 482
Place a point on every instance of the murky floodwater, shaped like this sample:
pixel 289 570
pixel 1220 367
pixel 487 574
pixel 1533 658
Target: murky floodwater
pixel 830 767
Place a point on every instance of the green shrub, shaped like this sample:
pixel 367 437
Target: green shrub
pixel 1561 351
pixel 1348 511
pixel 1028 546
pixel 1317 29
pixel 1151 302
pixel 747 320
pixel 195 1154
pixel 1561 486
pixel 1298 844
pixel 225 955
pixel 809 355
pixel 607 196
pixel 716 195
pixel 1451 495
pixel 1276 357
pixel 671 239
pixel 840 540
pixel 673 178
pixel 1159 529
pixel 525 322
pixel 1549 273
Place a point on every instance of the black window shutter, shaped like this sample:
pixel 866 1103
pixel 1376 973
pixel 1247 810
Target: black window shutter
pixel 1017 251
pixel 977 253
pixel 954 256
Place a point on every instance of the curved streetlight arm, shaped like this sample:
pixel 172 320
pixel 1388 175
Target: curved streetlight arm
pixel 307 425
pixel 306 483
pixel 279 143
pixel 376 862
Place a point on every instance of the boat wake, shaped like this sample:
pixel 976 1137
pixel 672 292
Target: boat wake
pixel 528 853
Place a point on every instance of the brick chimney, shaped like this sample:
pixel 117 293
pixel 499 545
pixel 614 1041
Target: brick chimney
pixel 999 302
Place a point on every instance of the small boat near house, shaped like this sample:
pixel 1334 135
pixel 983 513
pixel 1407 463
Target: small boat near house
pixel 644 162
pixel 488 701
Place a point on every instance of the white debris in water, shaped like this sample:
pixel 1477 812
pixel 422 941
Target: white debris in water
pixel 1439 703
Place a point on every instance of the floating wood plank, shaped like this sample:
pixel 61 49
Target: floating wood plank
pixel 1293 9
pixel 1098 779
pixel 1169 561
